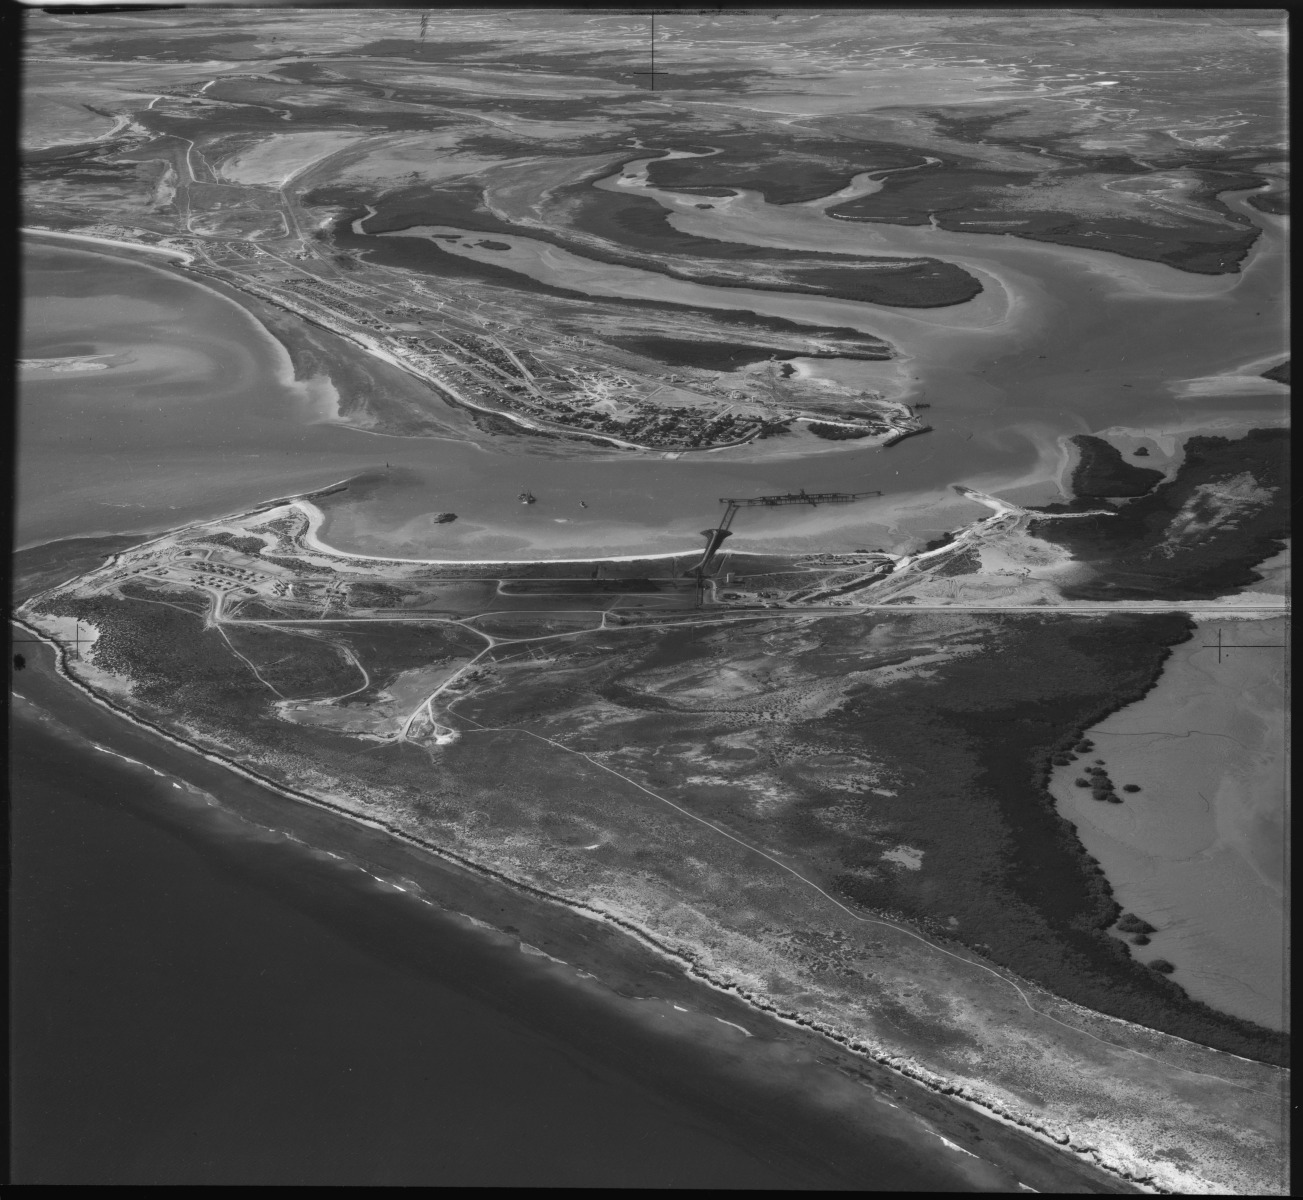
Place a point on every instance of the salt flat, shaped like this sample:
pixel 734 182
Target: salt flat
pixel 1200 850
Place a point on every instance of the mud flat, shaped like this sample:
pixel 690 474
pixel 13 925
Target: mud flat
pixel 1200 850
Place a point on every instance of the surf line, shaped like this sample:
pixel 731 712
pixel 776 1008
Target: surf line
pixel 685 961
pixel 867 920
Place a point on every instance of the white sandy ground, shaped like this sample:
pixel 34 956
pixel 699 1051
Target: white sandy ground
pixel 279 158
pixel 316 518
pixel 1201 850
pixel 182 255
pixel 74 364
pixel 1243 380
pixel 1226 385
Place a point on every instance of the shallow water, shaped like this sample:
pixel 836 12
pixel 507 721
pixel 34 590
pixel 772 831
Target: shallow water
pixel 1200 851
pixel 1063 341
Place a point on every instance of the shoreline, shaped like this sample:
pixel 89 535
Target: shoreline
pixel 445 393
pixel 33 231
pixel 634 980
pixel 936 1085
pixel 909 1070
pixel 831 1126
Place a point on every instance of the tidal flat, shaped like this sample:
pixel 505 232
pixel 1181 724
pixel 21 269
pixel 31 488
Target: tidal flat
pixel 995 425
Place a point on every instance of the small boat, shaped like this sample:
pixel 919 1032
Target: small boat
pixel 526 497
pixel 583 503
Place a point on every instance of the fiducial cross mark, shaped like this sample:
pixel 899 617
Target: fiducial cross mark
pixel 1221 648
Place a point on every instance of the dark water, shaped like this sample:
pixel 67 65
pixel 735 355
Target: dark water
pixel 196 1003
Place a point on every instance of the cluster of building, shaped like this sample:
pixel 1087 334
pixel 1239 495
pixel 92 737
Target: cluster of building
pixel 329 298
pixel 594 398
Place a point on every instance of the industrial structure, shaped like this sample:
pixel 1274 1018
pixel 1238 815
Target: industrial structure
pixel 715 537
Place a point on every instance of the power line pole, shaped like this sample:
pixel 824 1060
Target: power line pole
pixel 653 72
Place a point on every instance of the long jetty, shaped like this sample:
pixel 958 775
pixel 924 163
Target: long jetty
pixel 801 497
pixel 715 537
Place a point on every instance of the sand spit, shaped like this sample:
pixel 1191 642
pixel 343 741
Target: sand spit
pixel 316 518
pixel 166 252
pixel 318 393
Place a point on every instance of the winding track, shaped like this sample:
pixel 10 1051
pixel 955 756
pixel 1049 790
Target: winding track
pixel 864 920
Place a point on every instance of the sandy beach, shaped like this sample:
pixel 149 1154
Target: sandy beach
pixel 556 938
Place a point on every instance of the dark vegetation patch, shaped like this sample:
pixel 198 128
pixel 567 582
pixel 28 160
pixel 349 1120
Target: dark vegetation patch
pixel 968 752
pixel 458 203
pixel 56 161
pixel 785 170
pixel 997 854
pixel 245 545
pixel 85 164
pixel 963 195
pixel 170 656
pixel 387 651
pixel 378 595
pixel 614 67
pixel 463 202
pixel 433 51
pixel 967 561
pixel 640 226
pixel 499 144
pixel 1280 373
pixel 244 120
pixel 304 72
pixel 187 675
pixel 302 666
pixel 530 587
pixel 1102 471
pixel 160 45
pixel 1275 203
pixel 836 433
pixel 1197 536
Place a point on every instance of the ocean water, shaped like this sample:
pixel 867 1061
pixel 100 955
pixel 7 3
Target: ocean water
pixel 197 1000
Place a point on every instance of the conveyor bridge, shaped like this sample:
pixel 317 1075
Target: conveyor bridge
pixel 715 537
pixel 801 497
